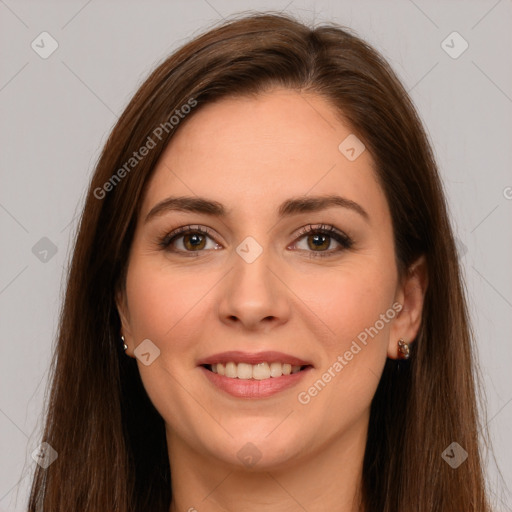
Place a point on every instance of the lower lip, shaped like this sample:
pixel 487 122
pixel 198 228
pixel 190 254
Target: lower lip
pixel 252 388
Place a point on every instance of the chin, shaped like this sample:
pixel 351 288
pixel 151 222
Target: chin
pixel 260 449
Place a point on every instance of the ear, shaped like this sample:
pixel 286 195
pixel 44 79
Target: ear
pixel 122 309
pixel 411 295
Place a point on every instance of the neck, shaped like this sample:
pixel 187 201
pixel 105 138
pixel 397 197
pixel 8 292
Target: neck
pixel 329 479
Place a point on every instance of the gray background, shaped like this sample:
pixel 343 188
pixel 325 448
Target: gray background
pixel 57 112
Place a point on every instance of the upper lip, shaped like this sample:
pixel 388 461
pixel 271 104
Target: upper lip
pixel 238 356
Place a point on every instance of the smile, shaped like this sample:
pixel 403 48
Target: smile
pixel 251 387
pixel 260 371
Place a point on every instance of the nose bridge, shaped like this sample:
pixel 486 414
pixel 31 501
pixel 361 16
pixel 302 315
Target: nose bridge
pixel 253 293
pixel 252 262
pixel 251 274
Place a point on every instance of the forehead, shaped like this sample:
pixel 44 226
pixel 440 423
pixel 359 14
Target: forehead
pixel 252 153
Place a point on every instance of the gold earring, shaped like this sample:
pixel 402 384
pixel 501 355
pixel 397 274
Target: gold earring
pixel 403 349
pixel 125 346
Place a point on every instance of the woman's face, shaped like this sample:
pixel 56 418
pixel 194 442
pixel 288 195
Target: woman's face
pixel 257 288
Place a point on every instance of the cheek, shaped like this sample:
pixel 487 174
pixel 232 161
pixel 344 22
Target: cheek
pixel 355 302
pixel 168 308
pixel 357 306
pixel 163 302
pixel 348 299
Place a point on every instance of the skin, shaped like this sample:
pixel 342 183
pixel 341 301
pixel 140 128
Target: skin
pixel 251 154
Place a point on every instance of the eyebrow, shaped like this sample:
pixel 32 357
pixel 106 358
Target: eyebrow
pixel 292 206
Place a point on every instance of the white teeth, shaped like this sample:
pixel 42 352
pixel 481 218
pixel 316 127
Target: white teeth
pixel 276 369
pixel 231 370
pixel 244 371
pixel 260 371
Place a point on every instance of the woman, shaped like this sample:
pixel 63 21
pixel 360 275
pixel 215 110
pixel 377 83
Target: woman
pixel 264 308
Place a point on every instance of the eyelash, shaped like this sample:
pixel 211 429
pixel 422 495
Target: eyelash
pixel 324 229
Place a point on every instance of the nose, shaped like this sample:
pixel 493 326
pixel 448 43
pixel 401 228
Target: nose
pixel 253 295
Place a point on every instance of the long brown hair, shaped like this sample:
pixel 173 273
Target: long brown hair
pixel 112 453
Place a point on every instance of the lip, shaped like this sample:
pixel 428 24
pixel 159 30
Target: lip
pixel 251 388
pixel 238 356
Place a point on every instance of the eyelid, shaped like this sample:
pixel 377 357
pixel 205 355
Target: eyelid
pixel 323 228
pixel 344 241
pixel 182 230
pixel 340 237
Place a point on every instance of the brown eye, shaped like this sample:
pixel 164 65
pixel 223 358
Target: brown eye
pixel 194 241
pixel 188 239
pixel 318 241
pixel 320 238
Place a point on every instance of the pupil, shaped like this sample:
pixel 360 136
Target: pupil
pixel 194 240
pixel 319 240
